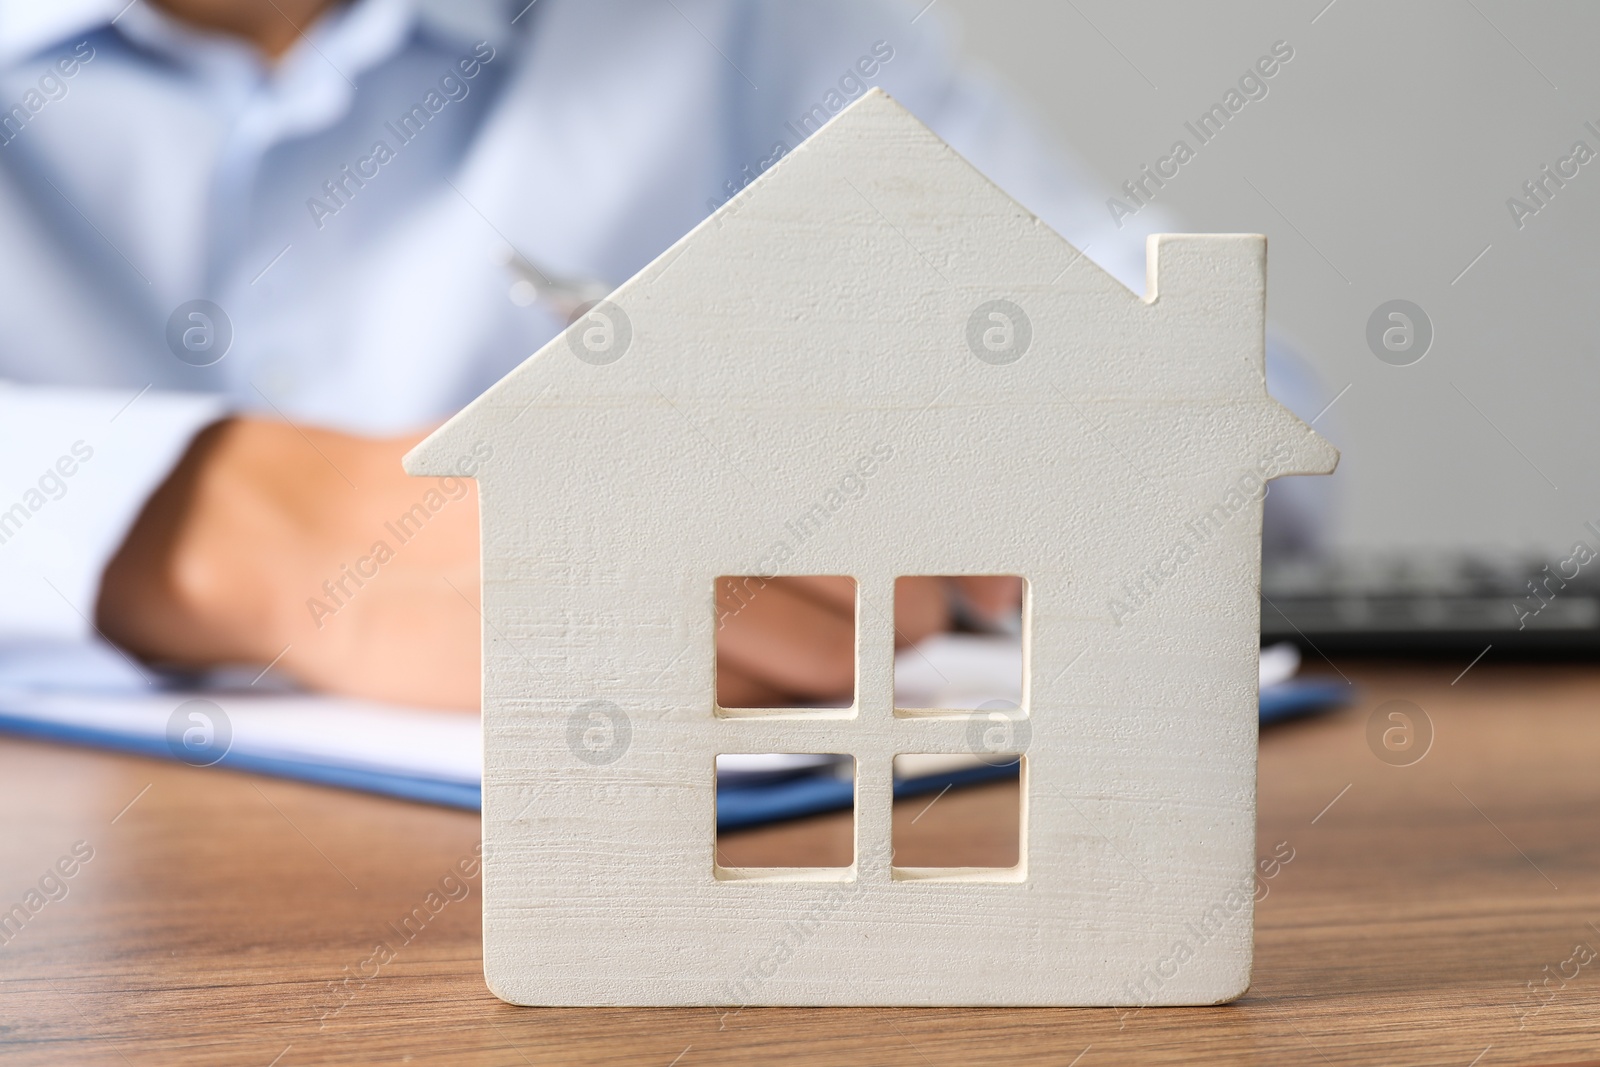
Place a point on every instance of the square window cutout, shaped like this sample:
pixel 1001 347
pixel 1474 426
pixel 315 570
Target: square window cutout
pixel 970 644
pixel 785 816
pixel 959 817
pixel 785 645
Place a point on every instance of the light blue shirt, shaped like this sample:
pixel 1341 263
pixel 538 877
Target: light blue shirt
pixel 351 210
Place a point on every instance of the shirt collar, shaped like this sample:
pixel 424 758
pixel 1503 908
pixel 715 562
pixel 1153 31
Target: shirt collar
pixel 466 22
pixel 28 27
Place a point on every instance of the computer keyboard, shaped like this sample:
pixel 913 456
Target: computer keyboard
pixel 1444 605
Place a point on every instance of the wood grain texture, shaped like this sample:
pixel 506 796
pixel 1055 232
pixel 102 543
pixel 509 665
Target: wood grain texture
pixel 216 912
pixel 874 363
pixel 979 830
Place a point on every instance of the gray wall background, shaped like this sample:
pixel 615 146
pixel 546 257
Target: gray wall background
pixel 1384 154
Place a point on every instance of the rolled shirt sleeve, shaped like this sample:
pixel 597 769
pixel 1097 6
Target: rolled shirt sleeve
pixel 76 467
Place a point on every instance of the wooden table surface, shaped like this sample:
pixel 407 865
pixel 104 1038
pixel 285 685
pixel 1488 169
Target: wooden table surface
pixel 220 913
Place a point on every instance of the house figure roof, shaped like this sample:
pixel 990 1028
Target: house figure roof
pixel 874 363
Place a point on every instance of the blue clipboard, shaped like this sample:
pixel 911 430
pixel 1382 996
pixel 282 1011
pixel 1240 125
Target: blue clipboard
pixel 739 806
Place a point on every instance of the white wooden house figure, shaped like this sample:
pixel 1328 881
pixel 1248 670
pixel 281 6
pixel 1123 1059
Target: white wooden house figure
pixel 874 291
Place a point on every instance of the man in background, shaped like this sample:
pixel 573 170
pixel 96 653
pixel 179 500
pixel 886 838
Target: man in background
pixel 257 248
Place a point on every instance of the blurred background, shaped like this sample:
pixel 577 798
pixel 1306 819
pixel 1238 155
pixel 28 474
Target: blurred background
pixel 1379 164
pixel 1423 172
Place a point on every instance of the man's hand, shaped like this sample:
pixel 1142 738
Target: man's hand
pixel 270 539
pixel 784 641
